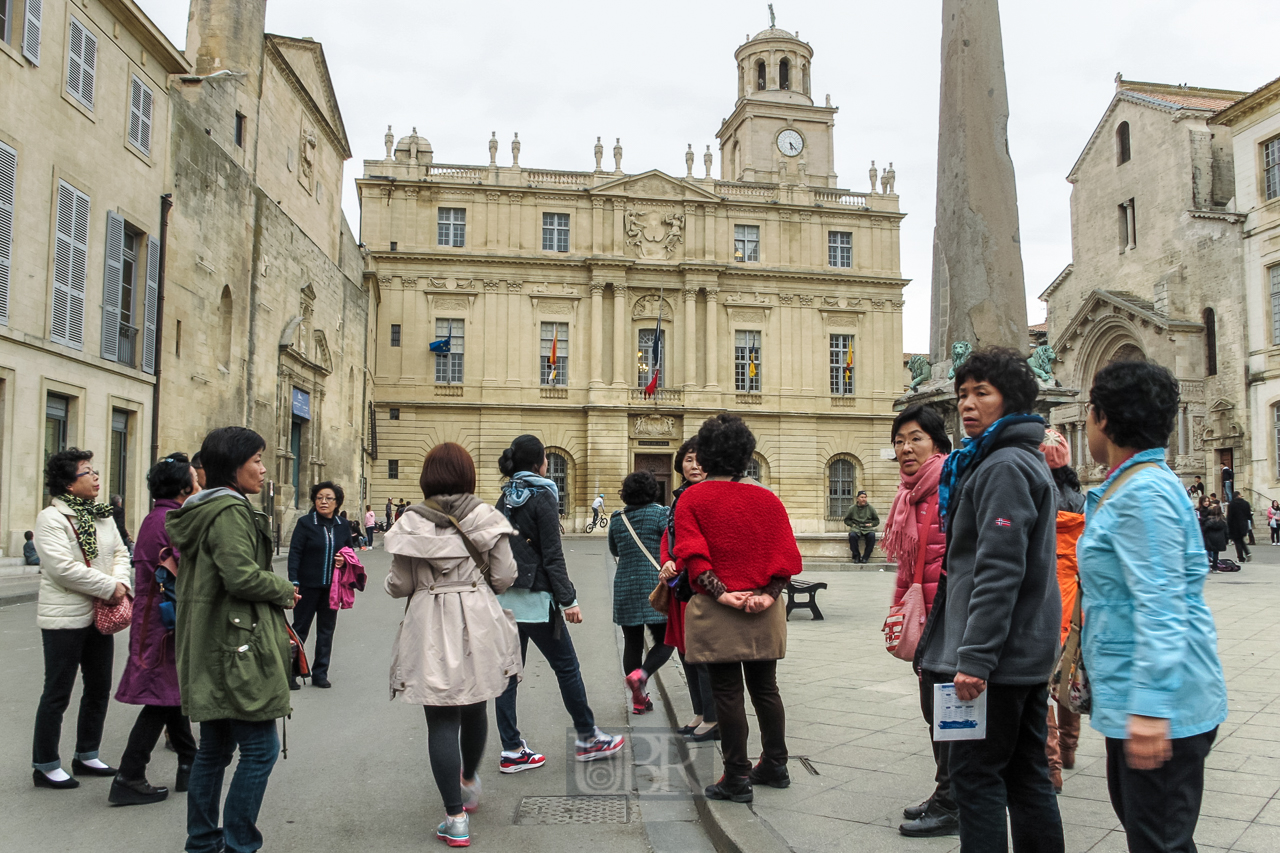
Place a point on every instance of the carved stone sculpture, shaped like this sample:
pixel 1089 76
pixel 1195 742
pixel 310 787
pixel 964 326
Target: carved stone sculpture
pixel 1041 362
pixel 390 141
pixel 889 176
pixel 413 148
pixel 960 352
pixel 307 155
pixel 493 149
pixel 655 425
pixel 515 152
pixel 873 174
pixel 617 156
pixel 652 235
pixel 920 369
pixel 599 151
pixel 706 161
pixel 688 161
pixel 884 181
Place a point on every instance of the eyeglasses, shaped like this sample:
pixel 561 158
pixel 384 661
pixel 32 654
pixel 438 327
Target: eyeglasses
pixel 87 473
pixel 917 441
pixel 323 500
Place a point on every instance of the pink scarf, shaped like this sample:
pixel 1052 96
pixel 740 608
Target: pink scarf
pixel 901 536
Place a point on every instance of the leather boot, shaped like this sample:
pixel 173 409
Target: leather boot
pixel 769 774
pixel 183 779
pixel 134 792
pixel 735 788
pixel 1055 778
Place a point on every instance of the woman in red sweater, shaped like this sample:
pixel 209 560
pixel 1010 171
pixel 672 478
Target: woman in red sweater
pixel 735 541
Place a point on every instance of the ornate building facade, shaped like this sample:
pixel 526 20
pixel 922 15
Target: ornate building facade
pixel 769 292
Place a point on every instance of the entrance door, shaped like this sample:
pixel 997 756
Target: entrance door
pixel 295 447
pixel 1226 457
pixel 659 465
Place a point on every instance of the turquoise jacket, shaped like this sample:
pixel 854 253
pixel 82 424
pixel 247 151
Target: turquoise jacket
pixel 1150 646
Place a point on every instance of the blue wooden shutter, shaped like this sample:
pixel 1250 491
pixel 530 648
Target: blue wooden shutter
pixel 70 256
pixel 82 57
pixel 112 283
pixel 152 306
pixel 8 184
pixel 31 31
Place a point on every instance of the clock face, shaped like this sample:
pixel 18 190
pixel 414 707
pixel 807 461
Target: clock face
pixel 790 143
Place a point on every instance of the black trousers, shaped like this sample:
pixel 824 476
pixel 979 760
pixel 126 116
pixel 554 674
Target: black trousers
pixel 761 678
pixel 1009 770
pixel 66 652
pixel 633 648
pixel 1159 808
pixel 942 795
pixel 152 720
pixel 701 695
pixel 868 543
pixel 1242 550
pixel 455 744
pixel 314 604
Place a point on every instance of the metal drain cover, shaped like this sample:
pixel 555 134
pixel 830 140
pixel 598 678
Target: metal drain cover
pixel 581 809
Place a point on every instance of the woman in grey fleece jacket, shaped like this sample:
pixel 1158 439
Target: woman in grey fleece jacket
pixel 997 627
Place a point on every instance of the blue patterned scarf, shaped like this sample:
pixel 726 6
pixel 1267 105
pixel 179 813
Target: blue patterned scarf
pixel 971 452
pixel 524 485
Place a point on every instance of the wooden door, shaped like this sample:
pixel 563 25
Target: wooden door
pixel 659 465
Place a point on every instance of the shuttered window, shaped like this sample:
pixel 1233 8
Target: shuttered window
pixel 140 99
pixel 70 254
pixel 82 59
pixel 31 31
pixel 112 286
pixel 152 305
pixel 8 184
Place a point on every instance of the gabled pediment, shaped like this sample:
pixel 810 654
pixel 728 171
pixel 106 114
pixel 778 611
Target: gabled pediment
pixel 1222 406
pixel 304 65
pixel 656 185
pixel 1099 306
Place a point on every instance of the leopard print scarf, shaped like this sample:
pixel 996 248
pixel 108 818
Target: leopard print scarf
pixel 86 511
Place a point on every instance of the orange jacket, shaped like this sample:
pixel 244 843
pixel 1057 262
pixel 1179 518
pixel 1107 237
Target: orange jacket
pixel 1070 526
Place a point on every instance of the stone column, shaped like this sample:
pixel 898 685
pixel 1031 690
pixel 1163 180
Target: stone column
pixel 621 336
pixel 597 334
pixel 597 226
pixel 690 337
pixel 490 325
pixel 1184 443
pixel 713 339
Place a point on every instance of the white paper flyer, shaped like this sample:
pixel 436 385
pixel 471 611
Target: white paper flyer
pixel 954 719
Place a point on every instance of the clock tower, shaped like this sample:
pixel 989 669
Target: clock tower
pixel 776 134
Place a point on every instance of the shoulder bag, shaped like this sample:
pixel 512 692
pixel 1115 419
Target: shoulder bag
pixel 904 625
pixel 1069 684
pixel 660 598
pixel 107 618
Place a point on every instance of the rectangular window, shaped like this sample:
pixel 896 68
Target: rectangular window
pixel 119 283
pixel 841 365
pixel 118 470
pixel 746 243
pixel 840 248
pixel 746 362
pixel 70 254
pixel 177 339
pixel 451 228
pixel 395 334
pixel 240 120
pixel 1271 168
pixel 393 414
pixel 1122 220
pixel 555 232
pixel 8 187
pixel 393 469
pixel 140 103
pixel 554 338
pixel 651 354
pixel 6 20
pixel 57 411
pixel 82 63
pixel 1274 274
pixel 449 364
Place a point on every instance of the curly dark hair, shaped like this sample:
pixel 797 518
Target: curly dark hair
pixel 60 470
pixel 639 488
pixel 1138 400
pixel 1006 369
pixel 1066 476
pixel 929 420
pixel 725 445
pixel 170 477
pixel 690 446
pixel 333 487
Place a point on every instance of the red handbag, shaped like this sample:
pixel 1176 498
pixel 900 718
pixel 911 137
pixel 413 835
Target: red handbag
pixel 108 618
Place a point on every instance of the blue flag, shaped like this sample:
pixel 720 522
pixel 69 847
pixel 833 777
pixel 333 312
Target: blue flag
pixel 441 345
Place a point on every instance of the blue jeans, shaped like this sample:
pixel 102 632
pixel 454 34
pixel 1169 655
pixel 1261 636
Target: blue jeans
pixel 564 660
pixel 259 745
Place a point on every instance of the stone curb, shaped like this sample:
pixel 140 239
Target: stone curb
pixel 731 827
pixel 8 598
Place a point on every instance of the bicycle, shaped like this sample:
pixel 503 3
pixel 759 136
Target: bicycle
pixel 603 523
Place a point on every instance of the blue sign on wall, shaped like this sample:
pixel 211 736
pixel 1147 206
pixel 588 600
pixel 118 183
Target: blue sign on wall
pixel 302 404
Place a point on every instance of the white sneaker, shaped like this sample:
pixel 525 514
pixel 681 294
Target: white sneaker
pixel 471 794
pixel 524 759
pixel 600 746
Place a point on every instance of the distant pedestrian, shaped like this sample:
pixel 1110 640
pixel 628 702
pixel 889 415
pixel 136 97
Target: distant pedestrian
pixel 1197 487
pixel 1228 483
pixel 401 506
pixel 150 676
pixel 1273 522
pixel 636 541
pixel 997 628
pixel 230 599
pixel 597 507
pixel 83 560
pixel 736 542
pixel 456 648
pixel 30 556
pixel 389 512
pixel 370 521
pixel 1238 514
pixel 1215 535
pixel 543 599
pixel 1149 643
pixel 314 556
pixel 913 537
pixel 862 521
pixel 117 513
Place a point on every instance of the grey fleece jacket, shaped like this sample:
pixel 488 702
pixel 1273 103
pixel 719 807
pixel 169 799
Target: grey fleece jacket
pixel 1003 610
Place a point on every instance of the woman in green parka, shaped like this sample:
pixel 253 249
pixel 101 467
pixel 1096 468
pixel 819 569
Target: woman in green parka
pixel 232 645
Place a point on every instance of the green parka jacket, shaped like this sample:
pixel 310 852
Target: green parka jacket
pixel 232 646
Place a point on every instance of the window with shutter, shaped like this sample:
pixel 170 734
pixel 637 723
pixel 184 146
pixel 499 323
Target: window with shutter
pixel 70 256
pixel 82 58
pixel 8 183
pixel 112 278
pixel 152 307
pixel 140 100
pixel 31 31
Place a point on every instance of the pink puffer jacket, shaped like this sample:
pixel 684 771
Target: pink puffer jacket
pixel 935 544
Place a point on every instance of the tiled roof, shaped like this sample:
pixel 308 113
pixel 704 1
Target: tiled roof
pixel 1187 97
pixel 1038 327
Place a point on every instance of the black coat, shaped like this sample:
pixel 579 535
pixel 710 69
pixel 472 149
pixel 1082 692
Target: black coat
pixel 1215 535
pixel 537 549
pixel 314 543
pixel 1238 514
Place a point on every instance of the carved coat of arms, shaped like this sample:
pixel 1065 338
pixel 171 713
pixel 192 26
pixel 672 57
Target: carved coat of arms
pixel 653 234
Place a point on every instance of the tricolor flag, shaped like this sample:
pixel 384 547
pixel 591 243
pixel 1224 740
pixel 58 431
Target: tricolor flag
pixel 753 354
pixel 551 378
pixel 655 359
pixel 848 363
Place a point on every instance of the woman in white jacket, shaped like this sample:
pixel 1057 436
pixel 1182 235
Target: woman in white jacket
pixel 82 559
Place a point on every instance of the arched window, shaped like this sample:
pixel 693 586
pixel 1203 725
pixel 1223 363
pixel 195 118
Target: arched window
pixel 841 487
pixel 753 468
pixel 758 469
pixel 1122 143
pixel 225 313
pixel 761 80
pixel 558 473
pixel 784 74
pixel 1210 343
pixel 805 77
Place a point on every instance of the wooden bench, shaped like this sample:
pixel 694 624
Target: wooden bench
pixel 809 588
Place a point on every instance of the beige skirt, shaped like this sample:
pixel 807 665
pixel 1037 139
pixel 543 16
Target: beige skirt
pixel 714 633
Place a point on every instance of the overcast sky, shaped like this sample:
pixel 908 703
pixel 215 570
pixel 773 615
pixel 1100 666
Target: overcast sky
pixel 661 75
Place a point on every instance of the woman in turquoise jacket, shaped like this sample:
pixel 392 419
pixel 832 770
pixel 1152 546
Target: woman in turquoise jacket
pixel 1149 642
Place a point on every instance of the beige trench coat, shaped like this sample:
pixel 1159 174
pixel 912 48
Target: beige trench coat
pixel 456 645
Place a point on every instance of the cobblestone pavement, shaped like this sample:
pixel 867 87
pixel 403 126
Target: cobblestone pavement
pixel 853 711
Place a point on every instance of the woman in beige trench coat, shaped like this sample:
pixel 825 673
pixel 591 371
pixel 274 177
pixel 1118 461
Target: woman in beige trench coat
pixel 456 648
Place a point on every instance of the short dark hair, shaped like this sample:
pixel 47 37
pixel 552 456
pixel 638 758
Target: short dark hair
pixel 690 446
pixel 725 445
pixel 196 463
pixel 639 488
pixel 1215 511
pixel 170 477
pixel 525 454
pixel 60 469
pixel 448 470
pixel 1139 400
pixel 1006 369
pixel 225 450
pixel 1066 476
pixel 29 536
pixel 929 420
pixel 331 486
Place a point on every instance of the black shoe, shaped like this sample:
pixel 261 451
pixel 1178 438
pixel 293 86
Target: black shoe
pixel 43 781
pixel 917 812
pixel 773 775
pixel 320 681
pixel 934 823
pixel 293 683
pixel 735 788
pixel 712 733
pixel 685 731
pixel 183 780
pixel 135 792
pixel 79 768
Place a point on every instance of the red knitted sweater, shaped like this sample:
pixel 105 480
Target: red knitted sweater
pixel 740 530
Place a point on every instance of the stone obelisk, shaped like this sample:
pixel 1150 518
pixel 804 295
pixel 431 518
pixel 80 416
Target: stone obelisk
pixel 978 291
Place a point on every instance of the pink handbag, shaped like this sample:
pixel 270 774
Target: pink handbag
pixel 905 623
pixel 107 618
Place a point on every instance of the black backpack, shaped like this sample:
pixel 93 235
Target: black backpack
pixel 1225 565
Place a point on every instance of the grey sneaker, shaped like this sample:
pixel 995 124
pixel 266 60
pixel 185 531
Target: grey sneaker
pixel 455 831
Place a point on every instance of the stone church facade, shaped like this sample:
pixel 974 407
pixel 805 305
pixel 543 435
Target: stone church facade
pixel 769 292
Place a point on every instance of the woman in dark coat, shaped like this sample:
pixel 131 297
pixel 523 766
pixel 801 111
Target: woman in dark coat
pixel 313 557
pixel 1214 529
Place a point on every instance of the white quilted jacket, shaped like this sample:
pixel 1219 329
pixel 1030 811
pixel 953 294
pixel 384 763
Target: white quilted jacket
pixel 67 585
